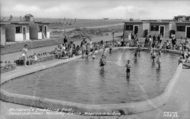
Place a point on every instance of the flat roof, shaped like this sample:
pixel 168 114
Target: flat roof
pixel 165 21
pixel 4 22
pixel 20 22
pixel 183 23
pixel 133 22
pixel 159 22
pixel 41 22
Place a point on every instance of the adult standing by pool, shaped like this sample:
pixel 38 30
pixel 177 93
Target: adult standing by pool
pixel 138 48
pixel 65 40
pixel 87 49
pixel 150 41
pixel 24 53
pixel 91 45
pixel 83 46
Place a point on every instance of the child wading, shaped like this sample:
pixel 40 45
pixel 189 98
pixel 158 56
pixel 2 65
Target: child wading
pixel 158 59
pixel 136 53
pixel 153 54
pixel 138 48
pixel 102 60
pixel 110 49
pixel 128 68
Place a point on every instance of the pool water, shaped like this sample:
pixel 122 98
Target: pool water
pixel 83 81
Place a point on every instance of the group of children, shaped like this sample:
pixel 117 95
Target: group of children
pixel 185 58
pixel 102 61
pixel 67 49
pixel 25 58
pixel 155 56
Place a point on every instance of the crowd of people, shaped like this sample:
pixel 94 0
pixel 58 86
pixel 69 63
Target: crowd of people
pixel 86 47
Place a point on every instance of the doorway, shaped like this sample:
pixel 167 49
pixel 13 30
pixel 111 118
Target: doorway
pixel 162 30
pixel 135 29
pixel 45 31
pixel 188 31
pixel 24 33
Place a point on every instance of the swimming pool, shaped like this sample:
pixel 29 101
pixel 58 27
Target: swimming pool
pixel 83 81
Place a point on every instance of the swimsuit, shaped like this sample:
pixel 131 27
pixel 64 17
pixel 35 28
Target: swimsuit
pixel 102 63
pixel 128 70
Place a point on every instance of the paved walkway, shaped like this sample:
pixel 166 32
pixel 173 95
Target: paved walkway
pixel 178 105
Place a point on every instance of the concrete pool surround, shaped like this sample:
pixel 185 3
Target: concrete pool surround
pixel 86 109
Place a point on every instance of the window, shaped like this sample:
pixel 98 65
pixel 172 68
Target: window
pixel 181 28
pixel 154 28
pixel 40 28
pixel 129 27
pixel 18 29
pixel 187 18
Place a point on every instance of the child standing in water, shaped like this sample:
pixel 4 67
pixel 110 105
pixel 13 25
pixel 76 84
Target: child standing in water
pixel 128 68
pixel 158 59
pixel 93 54
pixel 138 48
pixel 83 50
pixel 110 48
pixel 102 60
pixel 153 54
pixel 136 53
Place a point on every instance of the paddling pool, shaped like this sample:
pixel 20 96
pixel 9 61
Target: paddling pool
pixel 84 81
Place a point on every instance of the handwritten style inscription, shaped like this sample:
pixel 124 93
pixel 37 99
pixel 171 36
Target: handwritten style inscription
pixel 171 114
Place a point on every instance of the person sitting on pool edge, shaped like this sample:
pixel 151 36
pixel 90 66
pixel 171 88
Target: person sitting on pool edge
pixel 128 68
pixel 181 60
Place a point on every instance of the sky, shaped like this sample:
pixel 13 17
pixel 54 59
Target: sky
pixel 95 9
